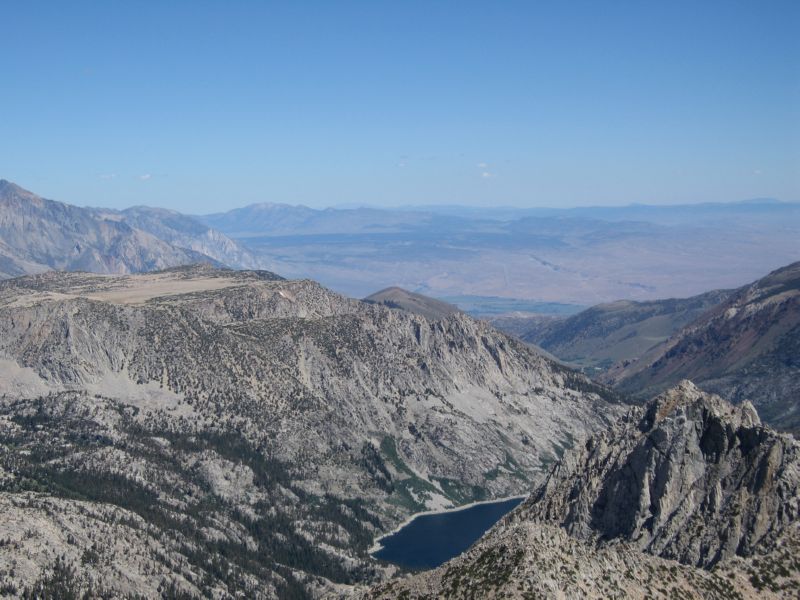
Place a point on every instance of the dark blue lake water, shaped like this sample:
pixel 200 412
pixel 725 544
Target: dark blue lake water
pixel 431 540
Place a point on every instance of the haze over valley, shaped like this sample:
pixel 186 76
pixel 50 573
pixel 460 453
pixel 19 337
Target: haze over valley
pixel 574 257
pixel 400 301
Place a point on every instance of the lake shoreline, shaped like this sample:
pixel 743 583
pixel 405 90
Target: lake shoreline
pixel 377 546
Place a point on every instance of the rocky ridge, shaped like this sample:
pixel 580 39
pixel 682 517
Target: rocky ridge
pixel 38 235
pixel 187 232
pixel 688 497
pixel 690 477
pixel 395 297
pixel 265 430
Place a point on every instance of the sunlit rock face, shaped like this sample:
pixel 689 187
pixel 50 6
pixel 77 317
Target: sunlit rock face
pixel 266 430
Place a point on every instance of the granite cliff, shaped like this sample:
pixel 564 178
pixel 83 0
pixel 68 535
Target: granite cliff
pixel 688 497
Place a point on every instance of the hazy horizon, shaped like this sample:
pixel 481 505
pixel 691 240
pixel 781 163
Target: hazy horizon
pixel 410 206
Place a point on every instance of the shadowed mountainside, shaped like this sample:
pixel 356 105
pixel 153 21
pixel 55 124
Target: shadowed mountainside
pixel 746 348
pixel 603 335
pixel 186 232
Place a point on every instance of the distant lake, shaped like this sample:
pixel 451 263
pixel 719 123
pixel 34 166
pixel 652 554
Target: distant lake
pixel 431 540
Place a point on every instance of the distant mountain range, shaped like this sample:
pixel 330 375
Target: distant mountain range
pixel 38 234
pixel 287 219
pixel 498 258
pixel 186 232
pixel 268 219
pixel 581 256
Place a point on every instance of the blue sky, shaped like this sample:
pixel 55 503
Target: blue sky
pixel 203 106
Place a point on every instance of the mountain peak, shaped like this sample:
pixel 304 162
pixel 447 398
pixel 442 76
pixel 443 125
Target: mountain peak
pixel 687 398
pixel 397 297
pixel 688 464
pixel 9 190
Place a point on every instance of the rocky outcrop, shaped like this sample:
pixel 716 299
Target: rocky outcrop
pixel 690 477
pixel 689 496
